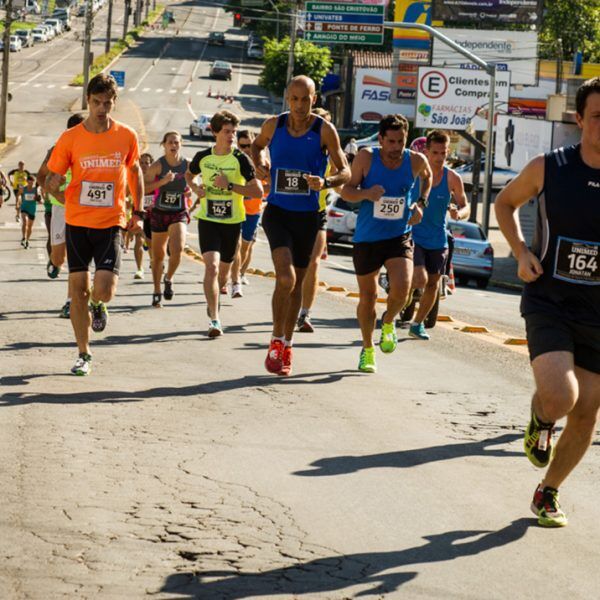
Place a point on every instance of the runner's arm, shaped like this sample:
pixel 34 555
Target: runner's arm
pixel 423 171
pixel 135 181
pixel 42 172
pixel 352 191
pixel 457 188
pixel 259 145
pixel 53 184
pixel 151 182
pixel 342 173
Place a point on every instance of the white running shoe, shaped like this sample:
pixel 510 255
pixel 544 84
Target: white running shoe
pixel 236 290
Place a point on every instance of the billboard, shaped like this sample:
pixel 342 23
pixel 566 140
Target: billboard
pixel 514 51
pixel 457 99
pixel 372 97
pixel 528 12
pixel 519 139
pixel 412 11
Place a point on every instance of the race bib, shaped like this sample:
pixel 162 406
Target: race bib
pixel 219 209
pixel 29 196
pixel 577 261
pixel 98 194
pixel 390 209
pixel 148 201
pixel 170 200
pixel 289 181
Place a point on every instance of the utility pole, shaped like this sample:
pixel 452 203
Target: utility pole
pixel 137 13
pixel 89 24
pixel 108 26
pixel 291 58
pixel 5 55
pixel 147 7
pixel 559 67
pixel 126 18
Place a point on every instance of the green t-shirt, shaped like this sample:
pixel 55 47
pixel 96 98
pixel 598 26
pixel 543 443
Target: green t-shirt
pixel 222 206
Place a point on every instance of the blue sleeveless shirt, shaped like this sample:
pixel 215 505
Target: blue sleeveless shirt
pixel 389 217
pixel 291 159
pixel 430 233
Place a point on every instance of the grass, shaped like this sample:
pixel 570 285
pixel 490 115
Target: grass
pixel 18 25
pixel 121 45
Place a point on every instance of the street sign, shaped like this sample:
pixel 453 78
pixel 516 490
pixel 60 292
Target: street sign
pixel 458 99
pixel 119 77
pixel 344 23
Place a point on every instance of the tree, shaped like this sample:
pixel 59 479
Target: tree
pixel 311 60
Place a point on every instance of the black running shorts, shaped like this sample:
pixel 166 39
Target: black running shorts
pixel 369 257
pixel 219 237
pixel 296 230
pixel 547 333
pixel 85 244
pixel 434 261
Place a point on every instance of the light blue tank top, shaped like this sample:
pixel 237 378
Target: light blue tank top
pixel 430 233
pixel 389 217
pixel 291 158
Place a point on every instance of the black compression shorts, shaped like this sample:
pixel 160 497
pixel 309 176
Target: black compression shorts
pixel 85 244
pixel 219 237
pixel 369 257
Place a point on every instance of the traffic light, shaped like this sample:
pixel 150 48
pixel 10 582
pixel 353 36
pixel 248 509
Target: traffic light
pixel 237 19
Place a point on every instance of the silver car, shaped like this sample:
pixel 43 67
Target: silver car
pixel 500 176
pixel 200 127
pixel 341 219
pixel 473 256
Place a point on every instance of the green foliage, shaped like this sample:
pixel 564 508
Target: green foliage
pixel 121 45
pixel 311 60
pixel 18 25
pixel 263 20
pixel 577 23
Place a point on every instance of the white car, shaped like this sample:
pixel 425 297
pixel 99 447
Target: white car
pixel 49 30
pixel 39 35
pixel 500 176
pixel 200 127
pixel 15 43
pixel 255 51
pixel 56 24
pixel 341 219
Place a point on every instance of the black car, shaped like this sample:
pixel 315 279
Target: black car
pixel 216 38
pixel 220 70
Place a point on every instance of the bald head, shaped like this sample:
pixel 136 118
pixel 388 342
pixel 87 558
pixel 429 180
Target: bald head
pixel 302 81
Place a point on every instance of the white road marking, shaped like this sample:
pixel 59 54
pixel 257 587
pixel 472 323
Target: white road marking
pixel 51 86
pixel 43 71
pixel 159 90
pixel 172 91
pixel 154 63
pixel 146 90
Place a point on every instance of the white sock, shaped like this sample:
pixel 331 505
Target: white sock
pixel 288 343
pixel 281 339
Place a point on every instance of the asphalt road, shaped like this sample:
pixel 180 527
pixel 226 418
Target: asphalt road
pixel 181 469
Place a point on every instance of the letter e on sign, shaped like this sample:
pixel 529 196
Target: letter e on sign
pixel 434 84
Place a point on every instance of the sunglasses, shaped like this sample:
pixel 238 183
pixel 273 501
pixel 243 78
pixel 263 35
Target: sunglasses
pixel 245 145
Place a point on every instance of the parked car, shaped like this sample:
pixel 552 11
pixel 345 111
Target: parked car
pixel 368 142
pixel 220 70
pixel 26 37
pixel 473 256
pixel 216 38
pixel 255 51
pixel 64 16
pixel 39 34
pixel 49 30
pixel 341 220
pixel 200 127
pixel 15 43
pixel 500 177
pixel 56 23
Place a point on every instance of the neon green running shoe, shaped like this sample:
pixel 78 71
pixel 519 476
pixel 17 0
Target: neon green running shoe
pixel 546 507
pixel 389 339
pixel 366 362
pixel 538 442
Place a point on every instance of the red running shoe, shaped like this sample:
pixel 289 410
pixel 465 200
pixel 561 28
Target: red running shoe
pixel 286 367
pixel 274 360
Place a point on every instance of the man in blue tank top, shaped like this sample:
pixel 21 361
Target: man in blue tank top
pixel 383 181
pixel 561 298
pixel 299 143
pixel 431 240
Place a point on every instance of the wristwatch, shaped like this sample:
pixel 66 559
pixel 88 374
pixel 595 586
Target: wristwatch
pixel 140 213
pixel 423 201
pixel 326 184
pixel 229 187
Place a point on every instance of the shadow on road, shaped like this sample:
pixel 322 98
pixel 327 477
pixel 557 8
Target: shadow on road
pixel 213 387
pixel 403 459
pixel 335 573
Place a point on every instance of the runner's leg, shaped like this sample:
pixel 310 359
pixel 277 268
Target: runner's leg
pixel 294 302
pixel 427 300
pixel 365 311
pixel 138 251
pixel 285 282
pixel 81 319
pixel 159 249
pixel 105 286
pixel 400 272
pixel 246 255
pixel 177 234
pixel 211 286
pixel 311 280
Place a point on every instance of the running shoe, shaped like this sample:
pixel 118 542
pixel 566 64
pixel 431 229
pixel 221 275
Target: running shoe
pixel 304 324
pixel 223 290
pixel 286 363
pixel 156 300
pixel 23 242
pixel 139 274
pixel 538 442
pixel 51 270
pixel 389 339
pixel 65 311
pixel 546 507
pixel 244 280
pixel 99 316
pixel 215 329
pixel 236 290
pixel 274 360
pixel 417 331
pixel 26 245
pixel 83 365
pixel 366 362
pixel 168 291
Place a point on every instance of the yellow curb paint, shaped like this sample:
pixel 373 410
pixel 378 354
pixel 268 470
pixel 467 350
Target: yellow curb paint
pixel 251 271
pixel 516 342
pixel 445 319
pixel 382 300
pixel 323 284
pixel 352 295
pixel 258 272
pixel 270 274
pixel 475 329
pixel 336 288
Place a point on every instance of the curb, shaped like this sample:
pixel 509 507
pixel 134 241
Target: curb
pixel 507 285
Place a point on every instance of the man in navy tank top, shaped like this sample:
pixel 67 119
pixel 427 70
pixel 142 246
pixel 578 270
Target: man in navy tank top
pixel 561 298
pixel 430 237
pixel 383 181
pixel 300 144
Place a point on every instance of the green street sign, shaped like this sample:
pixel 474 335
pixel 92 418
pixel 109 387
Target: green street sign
pixel 338 7
pixel 343 38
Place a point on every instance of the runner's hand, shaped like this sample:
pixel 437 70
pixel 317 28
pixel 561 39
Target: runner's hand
pixel 199 190
pixel 169 176
pixel 417 214
pixel 135 224
pixel 374 193
pixel 315 182
pixel 529 268
pixel 221 181
pixel 263 170
pixel 454 212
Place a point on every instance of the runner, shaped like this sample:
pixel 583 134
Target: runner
pixel 28 200
pixel 58 253
pixel 430 238
pixel 146 161
pixel 227 175
pixel 47 221
pixel 4 189
pixel 103 156
pixel 18 180
pixel 561 298
pixel 253 207
pixel 311 279
pixel 383 180
pixel 299 143
pixel 170 216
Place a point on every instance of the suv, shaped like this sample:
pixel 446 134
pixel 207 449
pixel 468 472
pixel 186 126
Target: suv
pixel 26 37
pixel 64 16
pixel 216 38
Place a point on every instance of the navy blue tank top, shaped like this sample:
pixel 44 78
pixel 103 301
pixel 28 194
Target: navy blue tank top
pixel 291 159
pixel 567 241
